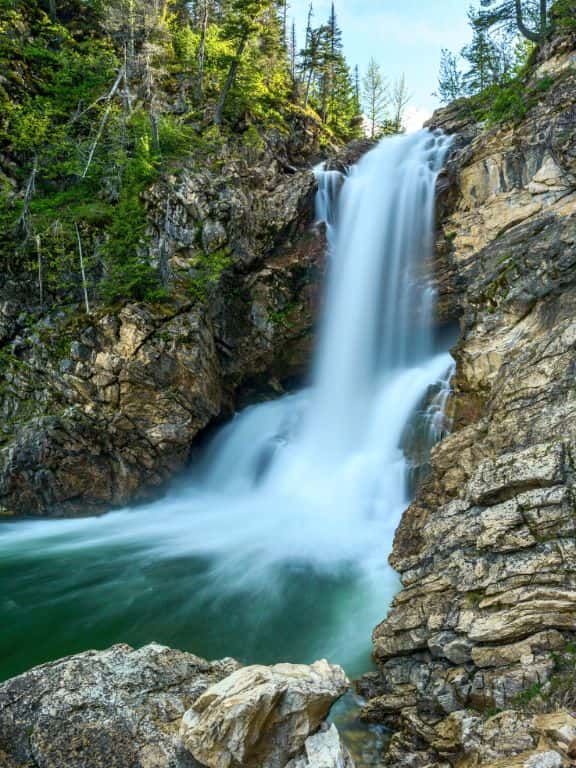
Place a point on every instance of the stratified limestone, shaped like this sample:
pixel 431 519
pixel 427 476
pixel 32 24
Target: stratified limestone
pixel 487 551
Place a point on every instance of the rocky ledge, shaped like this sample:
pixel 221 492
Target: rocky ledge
pixel 100 409
pixel 477 662
pixel 161 708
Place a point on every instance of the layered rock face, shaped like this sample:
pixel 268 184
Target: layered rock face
pixel 487 551
pixel 161 708
pixel 101 409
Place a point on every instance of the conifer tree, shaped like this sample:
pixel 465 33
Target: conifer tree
pixel 529 17
pixel 450 78
pixel 376 97
pixel 399 99
pixel 310 55
pixel 292 51
pixel 244 19
pixel 332 60
pixel 482 56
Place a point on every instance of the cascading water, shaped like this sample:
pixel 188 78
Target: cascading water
pixel 275 544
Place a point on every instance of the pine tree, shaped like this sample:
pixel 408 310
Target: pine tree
pixel 376 97
pixel 332 59
pixel 482 56
pixel 243 20
pixel 450 78
pixel 399 100
pixel 292 51
pixel 310 55
pixel 529 17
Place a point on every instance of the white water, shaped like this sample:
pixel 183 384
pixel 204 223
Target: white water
pixel 315 481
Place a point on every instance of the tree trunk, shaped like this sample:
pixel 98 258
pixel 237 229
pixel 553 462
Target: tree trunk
pixel 52 10
pixel 40 271
pixel 81 254
pixel 308 85
pixel 218 116
pixel 543 19
pixel 202 52
pixel 103 121
pixel 527 33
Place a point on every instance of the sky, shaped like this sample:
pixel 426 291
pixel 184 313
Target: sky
pixel 402 36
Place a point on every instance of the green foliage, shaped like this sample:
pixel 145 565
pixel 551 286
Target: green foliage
pixel 528 17
pixel 326 82
pixel 206 274
pixel 509 102
pixel 523 699
pixel 127 274
pixel 498 82
pixel 564 15
pixel 450 78
pixel 100 99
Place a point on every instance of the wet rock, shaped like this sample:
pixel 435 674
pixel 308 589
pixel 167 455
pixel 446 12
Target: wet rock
pixel 263 716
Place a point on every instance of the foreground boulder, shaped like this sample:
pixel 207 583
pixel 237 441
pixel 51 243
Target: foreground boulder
pixel 118 708
pixel 262 716
pixel 123 708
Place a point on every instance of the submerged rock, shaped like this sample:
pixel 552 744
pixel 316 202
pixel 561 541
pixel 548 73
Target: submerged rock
pixel 263 716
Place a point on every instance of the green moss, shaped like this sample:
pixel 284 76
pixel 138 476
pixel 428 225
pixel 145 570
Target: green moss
pixel 281 317
pixel 474 598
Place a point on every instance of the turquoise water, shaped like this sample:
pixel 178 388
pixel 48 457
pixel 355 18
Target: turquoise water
pixel 64 594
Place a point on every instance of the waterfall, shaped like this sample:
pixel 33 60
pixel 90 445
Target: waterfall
pixel 294 503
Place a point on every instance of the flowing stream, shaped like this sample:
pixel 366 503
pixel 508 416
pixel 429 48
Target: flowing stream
pixel 274 545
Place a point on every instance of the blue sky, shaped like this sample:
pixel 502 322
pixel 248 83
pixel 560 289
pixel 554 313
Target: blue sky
pixel 402 35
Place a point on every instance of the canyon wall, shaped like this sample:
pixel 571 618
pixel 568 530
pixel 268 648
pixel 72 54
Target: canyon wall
pixel 475 653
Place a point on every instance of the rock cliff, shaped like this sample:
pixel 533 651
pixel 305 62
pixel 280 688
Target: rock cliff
pixel 475 658
pixel 100 409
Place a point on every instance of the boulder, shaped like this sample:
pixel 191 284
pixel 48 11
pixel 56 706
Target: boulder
pixel 323 750
pixel 262 717
pixel 118 708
